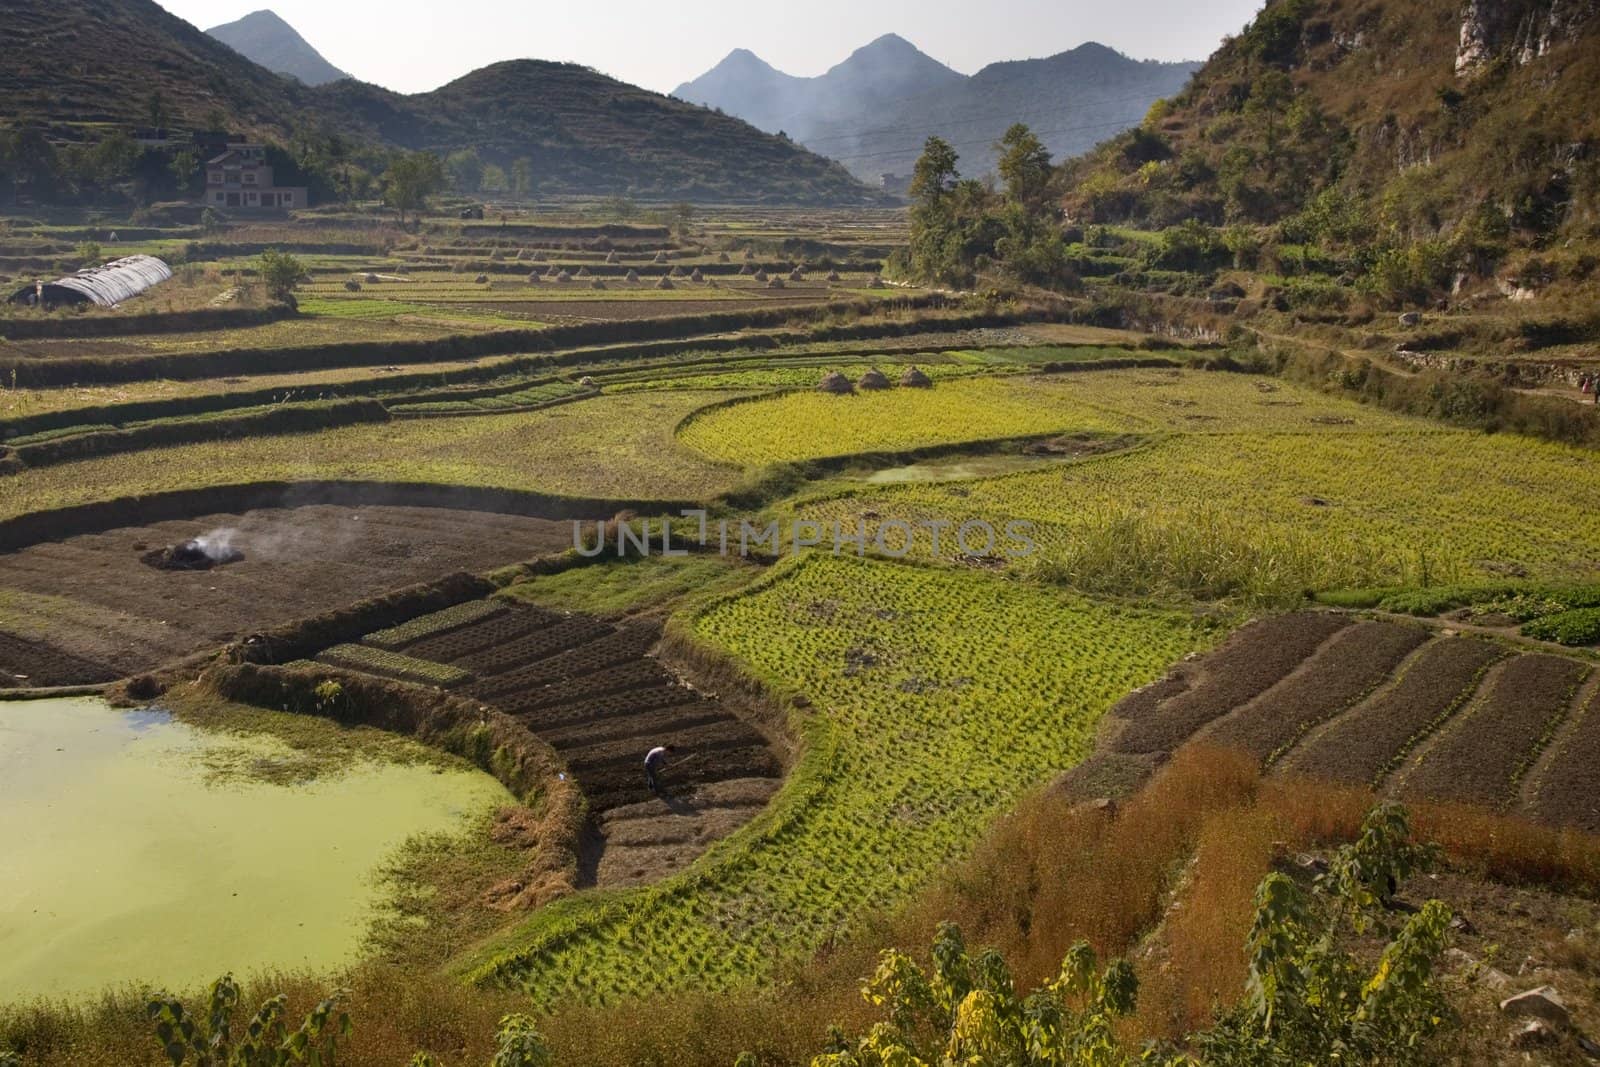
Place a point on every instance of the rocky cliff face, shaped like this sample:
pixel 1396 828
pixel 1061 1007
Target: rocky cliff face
pixel 1525 31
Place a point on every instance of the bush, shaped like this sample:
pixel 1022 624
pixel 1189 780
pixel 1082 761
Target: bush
pixel 1580 626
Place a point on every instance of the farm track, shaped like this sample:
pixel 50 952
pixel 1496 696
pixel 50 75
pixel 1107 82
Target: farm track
pixel 589 688
pixel 1420 712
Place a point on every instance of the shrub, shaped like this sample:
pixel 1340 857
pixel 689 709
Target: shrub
pixel 1580 626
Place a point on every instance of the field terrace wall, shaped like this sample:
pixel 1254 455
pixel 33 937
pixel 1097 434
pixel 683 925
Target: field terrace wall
pixel 69 325
pixel 395 386
pixel 58 524
pixel 282 419
pixel 45 372
pixel 495 742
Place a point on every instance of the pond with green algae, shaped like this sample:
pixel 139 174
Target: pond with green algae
pixel 130 854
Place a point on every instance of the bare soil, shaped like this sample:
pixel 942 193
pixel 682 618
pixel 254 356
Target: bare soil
pixel 590 689
pixel 90 598
pixel 1359 746
pixel 1425 712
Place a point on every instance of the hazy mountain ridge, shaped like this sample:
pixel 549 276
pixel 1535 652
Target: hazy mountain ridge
pixel 873 111
pixel 262 37
pixel 582 132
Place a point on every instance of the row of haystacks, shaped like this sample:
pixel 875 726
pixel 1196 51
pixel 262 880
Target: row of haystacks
pixel 836 383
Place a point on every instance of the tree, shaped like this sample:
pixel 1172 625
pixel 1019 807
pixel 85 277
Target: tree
pixel 89 253
pixel 155 109
pixel 522 176
pixel 184 166
pixel 210 222
pixel 494 179
pixel 412 177
pixel 280 273
pixel 1024 166
pixel 466 170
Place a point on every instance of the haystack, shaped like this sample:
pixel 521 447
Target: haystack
pixel 747 269
pixel 722 257
pixel 797 275
pixel 776 283
pixel 661 257
pixel 836 383
pixel 402 269
pixel 537 257
pixel 664 283
pixel 534 278
pixel 586 382
pixel 833 275
pixel 680 271
pixel 761 275
pixel 370 279
pixel 583 272
pixel 915 379
pixel 749 253
pixel 563 277
pixel 554 271
pixel 697 276
pixel 598 284
pixel 874 379
pixel 522 253
pixel 482 279
pixel 352 286
pixel 633 276
pixel 876 283
pixel 611 257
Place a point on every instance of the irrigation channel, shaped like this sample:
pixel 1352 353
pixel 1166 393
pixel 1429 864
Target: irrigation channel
pixel 139 849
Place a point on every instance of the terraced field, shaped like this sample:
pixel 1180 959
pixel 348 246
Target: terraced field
pixel 592 690
pixel 85 609
pixel 939 696
pixel 1413 710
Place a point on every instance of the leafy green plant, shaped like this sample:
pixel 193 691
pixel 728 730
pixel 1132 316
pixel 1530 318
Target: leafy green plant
pixel 266 1040
pixel 1580 626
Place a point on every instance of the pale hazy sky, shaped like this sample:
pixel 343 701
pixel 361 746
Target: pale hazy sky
pixel 416 45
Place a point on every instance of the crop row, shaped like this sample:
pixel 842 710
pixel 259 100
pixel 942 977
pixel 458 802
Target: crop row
pixel 511 653
pixel 1481 754
pixel 1345 669
pixel 941 696
pixel 438 622
pixel 1363 744
pixel 393 665
pixel 608 650
pixel 487 632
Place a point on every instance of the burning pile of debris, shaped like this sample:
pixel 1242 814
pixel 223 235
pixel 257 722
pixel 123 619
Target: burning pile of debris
pixel 196 554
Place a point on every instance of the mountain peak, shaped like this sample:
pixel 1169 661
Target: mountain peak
pixel 263 36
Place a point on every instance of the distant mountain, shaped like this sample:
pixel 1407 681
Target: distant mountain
pixel 264 38
pixel 873 111
pixel 73 67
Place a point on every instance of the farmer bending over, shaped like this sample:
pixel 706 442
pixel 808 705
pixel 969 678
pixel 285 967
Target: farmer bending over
pixel 654 760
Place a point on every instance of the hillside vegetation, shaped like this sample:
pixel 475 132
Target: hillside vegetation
pixel 86 72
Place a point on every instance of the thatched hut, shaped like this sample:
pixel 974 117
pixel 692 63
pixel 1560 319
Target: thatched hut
pixel 665 283
pixel 633 276
pixel 915 379
pixel 874 379
pixel 836 383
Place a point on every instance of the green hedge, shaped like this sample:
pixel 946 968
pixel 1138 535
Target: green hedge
pixel 1580 626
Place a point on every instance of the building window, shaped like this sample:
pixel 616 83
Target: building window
pixel 288 199
pixel 221 197
pixel 249 177
pixel 214 177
